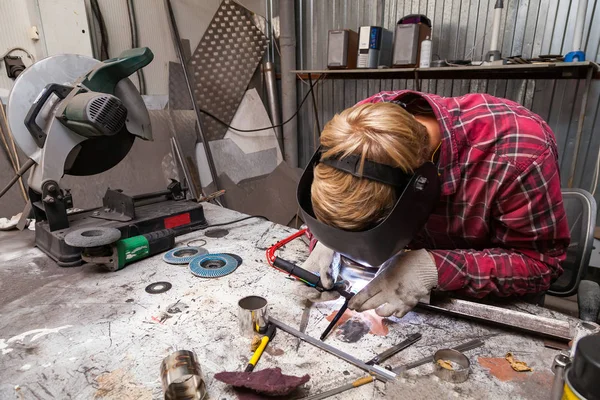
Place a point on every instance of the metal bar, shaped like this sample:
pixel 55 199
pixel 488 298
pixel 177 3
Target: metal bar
pixel 184 167
pixel 381 373
pixel 518 320
pixel 180 55
pixel 273 100
pixel 287 40
pixel 314 101
pixel 340 389
pixel 588 85
pixel 379 358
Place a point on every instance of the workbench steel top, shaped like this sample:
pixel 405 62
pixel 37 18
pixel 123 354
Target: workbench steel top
pixel 83 333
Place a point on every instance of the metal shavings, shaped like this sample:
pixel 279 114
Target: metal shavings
pixel 519 366
pixel 256 340
pixel 446 364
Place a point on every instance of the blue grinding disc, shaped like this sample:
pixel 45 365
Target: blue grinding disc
pixel 213 265
pixel 183 255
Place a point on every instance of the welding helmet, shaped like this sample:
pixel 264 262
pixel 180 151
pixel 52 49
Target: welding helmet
pixel 416 195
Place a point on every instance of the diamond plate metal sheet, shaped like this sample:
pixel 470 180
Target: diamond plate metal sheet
pixel 223 64
pixel 179 98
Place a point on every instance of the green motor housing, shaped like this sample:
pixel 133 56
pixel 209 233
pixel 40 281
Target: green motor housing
pixel 142 246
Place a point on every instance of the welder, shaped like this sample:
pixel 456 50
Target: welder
pixel 455 194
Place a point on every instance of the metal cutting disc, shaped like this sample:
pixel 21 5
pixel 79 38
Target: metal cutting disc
pixel 63 69
pixel 93 236
pixel 97 154
pixel 213 265
pixel 183 255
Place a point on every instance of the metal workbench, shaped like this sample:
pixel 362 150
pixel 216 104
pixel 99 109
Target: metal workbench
pixel 83 333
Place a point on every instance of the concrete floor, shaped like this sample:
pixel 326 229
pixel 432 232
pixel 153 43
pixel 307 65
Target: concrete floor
pixel 84 333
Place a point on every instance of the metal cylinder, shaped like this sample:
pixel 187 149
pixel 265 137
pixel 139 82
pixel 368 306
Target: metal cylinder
pixel 579 25
pixel 253 315
pixel 561 362
pixel 583 329
pixel 273 99
pixel 287 21
pixel 181 377
pixel 461 363
pixel 496 28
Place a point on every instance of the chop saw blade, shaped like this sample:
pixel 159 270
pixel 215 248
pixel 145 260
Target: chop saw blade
pixel 94 155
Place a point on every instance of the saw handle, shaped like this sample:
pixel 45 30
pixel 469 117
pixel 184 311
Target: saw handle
pixel 107 75
pixel 61 91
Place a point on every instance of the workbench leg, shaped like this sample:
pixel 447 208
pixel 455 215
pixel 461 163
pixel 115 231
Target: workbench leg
pixel 314 101
pixel 586 95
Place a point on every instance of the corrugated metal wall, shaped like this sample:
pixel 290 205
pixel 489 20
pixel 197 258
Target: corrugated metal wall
pixel 461 30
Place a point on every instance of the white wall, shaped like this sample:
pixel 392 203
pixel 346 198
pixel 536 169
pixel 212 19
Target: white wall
pixel 62 27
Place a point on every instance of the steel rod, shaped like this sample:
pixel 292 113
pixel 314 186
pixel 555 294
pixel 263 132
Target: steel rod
pixel 381 373
pixel 273 99
pixel 512 319
pixel 179 51
pixel 588 85
pixel 314 101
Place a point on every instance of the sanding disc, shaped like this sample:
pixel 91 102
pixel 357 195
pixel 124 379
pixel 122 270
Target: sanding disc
pixel 183 255
pixel 213 265
pixel 92 236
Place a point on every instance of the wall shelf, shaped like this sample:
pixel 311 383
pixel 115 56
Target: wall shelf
pixel 559 70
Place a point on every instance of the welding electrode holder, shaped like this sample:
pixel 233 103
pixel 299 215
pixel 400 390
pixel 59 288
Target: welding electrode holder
pixel 312 279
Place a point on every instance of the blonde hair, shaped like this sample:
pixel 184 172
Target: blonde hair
pixel 381 132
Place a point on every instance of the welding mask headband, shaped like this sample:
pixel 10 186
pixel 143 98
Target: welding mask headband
pixel 416 199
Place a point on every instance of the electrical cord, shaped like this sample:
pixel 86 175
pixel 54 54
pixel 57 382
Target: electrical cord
pixel 10 51
pixel 267 127
pixel 235 221
pixel 102 27
pixel 133 26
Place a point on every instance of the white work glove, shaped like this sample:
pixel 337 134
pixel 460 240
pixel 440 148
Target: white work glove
pixel 320 262
pixel 399 287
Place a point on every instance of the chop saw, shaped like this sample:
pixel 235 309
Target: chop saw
pixel 72 114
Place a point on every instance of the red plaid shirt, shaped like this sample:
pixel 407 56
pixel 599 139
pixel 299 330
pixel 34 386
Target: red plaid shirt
pixel 500 226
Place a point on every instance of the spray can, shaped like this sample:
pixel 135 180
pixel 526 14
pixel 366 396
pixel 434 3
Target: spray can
pixel 425 57
pixel 581 378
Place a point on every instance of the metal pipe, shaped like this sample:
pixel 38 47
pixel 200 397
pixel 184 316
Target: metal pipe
pixel 579 25
pixel 178 49
pixel 379 372
pixel 580 124
pixel 176 148
pixel 273 99
pixel 533 324
pixel 496 24
pixel 287 22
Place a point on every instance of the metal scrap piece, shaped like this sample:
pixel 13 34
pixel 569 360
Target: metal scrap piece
pixel 533 324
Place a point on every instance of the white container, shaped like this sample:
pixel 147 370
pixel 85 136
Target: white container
pixel 425 58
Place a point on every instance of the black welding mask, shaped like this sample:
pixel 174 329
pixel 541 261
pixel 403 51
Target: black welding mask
pixel 416 195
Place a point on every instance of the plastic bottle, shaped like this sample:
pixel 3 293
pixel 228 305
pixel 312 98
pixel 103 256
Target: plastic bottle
pixel 425 58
